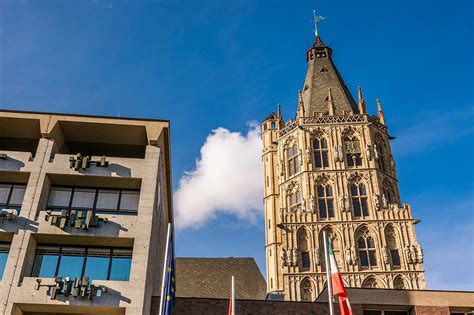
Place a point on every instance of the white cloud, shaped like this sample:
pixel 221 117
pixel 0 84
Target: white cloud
pixel 227 178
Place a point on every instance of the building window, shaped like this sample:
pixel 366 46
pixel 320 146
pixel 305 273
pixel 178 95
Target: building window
pixel 353 151
pixel 325 201
pixel 294 200
pixel 305 261
pixel 307 291
pixel 392 246
pixel 359 200
pixel 399 283
pixel 304 249
pixel 11 196
pixel 320 153
pixel 98 200
pixel 77 262
pixel 293 163
pixel 4 250
pixel 367 253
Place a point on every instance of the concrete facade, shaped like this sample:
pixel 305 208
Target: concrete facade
pixel 35 151
pixel 331 169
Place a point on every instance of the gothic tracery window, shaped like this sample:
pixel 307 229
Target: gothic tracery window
pixel 294 200
pixel 370 283
pixel 320 152
pixel 399 283
pixel 304 249
pixel 325 201
pixel 359 200
pixel 352 150
pixel 307 290
pixel 392 247
pixel 367 251
pixel 292 158
pixel 336 248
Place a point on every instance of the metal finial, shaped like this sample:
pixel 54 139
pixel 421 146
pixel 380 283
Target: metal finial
pixel 316 19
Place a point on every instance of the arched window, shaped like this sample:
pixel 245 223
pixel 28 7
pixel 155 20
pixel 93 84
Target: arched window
pixel 369 283
pixel 399 283
pixel 293 163
pixel 359 200
pixel 307 291
pixel 381 156
pixel 336 248
pixel 320 153
pixel 294 200
pixel 325 201
pixel 304 249
pixel 367 252
pixel 392 247
pixel 352 150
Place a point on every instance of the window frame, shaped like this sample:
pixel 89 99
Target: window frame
pixel 84 263
pixel 321 151
pixel 295 206
pixel 360 199
pixel 3 249
pixel 94 208
pixel 293 160
pixel 8 204
pixel 327 200
pixel 367 250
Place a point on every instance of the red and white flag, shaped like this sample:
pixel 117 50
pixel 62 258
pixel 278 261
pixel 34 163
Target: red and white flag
pixel 337 284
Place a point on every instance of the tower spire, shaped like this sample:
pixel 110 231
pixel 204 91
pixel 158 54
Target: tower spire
pixel 331 108
pixel 380 112
pixel 316 19
pixel 362 106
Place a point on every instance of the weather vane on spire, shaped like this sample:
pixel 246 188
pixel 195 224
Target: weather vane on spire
pixel 317 18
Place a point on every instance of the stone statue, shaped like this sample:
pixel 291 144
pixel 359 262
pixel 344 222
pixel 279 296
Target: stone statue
pixel 289 257
pixel 413 254
pixel 341 156
pixel 281 168
pixel 385 254
pixel 376 153
pixel 376 199
pixel 308 155
pixel 295 257
pixel 384 201
pixel 354 254
pixel 342 203
pixel 311 203
pixel 347 253
pixel 368 151
pixel 283 257
pixel 408 254
pixel 317 256
pixel 336 154
pixel 419 254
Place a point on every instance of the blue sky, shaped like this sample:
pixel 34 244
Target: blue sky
pixel 210 64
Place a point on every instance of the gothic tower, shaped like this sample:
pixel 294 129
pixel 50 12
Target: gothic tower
pixel 331 169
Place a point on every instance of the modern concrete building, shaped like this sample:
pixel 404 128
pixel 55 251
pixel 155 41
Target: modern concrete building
pixel 85 202
pixel 331 168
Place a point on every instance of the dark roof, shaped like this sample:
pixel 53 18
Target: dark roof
pixel 211 278
pixel 321 76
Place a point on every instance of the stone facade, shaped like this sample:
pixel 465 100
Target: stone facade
pixel 38 152
pixel 332 169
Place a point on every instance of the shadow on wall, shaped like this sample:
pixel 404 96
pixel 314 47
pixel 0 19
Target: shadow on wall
pixel 10 164
pixel 112 170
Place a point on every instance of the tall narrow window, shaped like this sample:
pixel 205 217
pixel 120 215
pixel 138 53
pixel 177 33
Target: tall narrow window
pixel 325 201
pixel 293 163
pixel 306 291
pixel 381 159
pixel 304 249
pixel 320 152
pixel 392 247
pixel 367 253
pixel 359 200
pixel 353 151
pixel 294 200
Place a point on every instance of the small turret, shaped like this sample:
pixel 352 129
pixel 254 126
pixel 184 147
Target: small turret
pixel 300 112
pixel 331 108
pixel 380 112
pixel 362 106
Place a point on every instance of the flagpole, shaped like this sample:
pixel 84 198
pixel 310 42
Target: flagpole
pixel 168 237
pixel 233 295
pixel 328 273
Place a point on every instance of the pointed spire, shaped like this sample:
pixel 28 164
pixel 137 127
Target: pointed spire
pixel 331 107
pixel 300 112
pixel 279 110
pixel 362 106
pixel 380 112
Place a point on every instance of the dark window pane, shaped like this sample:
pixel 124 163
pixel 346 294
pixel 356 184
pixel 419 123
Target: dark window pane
pixel 320 191
pixel 324 143
pixel 363 192
pixel 120 268
pixel 97 264
pixel 364 262
pixel 83 198
pixel 4 193
pixel 322 209
pixel 325 159
pixel 17 195
pixel 3 262
pixel 59 197
pixel 317 160
pixel 316 143
pixel 45 265
pixel 305 259
pixel 330 208
pixel 365 207
pixel 361 243
pixel 107 200
pixel 354 191
pixel 373 259
pixel 350 162
pixel 356 205
pixel 370 242
pixel 329 191
pixel 395 257
pixel 72 261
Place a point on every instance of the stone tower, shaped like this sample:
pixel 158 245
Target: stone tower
pixel 332 169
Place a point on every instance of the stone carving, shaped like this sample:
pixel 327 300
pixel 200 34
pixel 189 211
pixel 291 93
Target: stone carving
pixel 281 168
pixel 317 256
pixel 376 200
pixel 289 258
pixel 312 205
pixel 295 257
pixel 413 253
pixel 354 254
pixel 419 256
pixel 376 153
pixel 283 257
pixel 308 156
pixel 384 201
pixel 337 153
pixel 409 254
pixel 344 202
pixel 385 254
pixel 300 157
pixel 368 151
pixel 351 255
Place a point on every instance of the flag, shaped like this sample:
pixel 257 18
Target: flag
pixel 337 284
pixel 168 297
pixel 230 306
pixel 232 298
